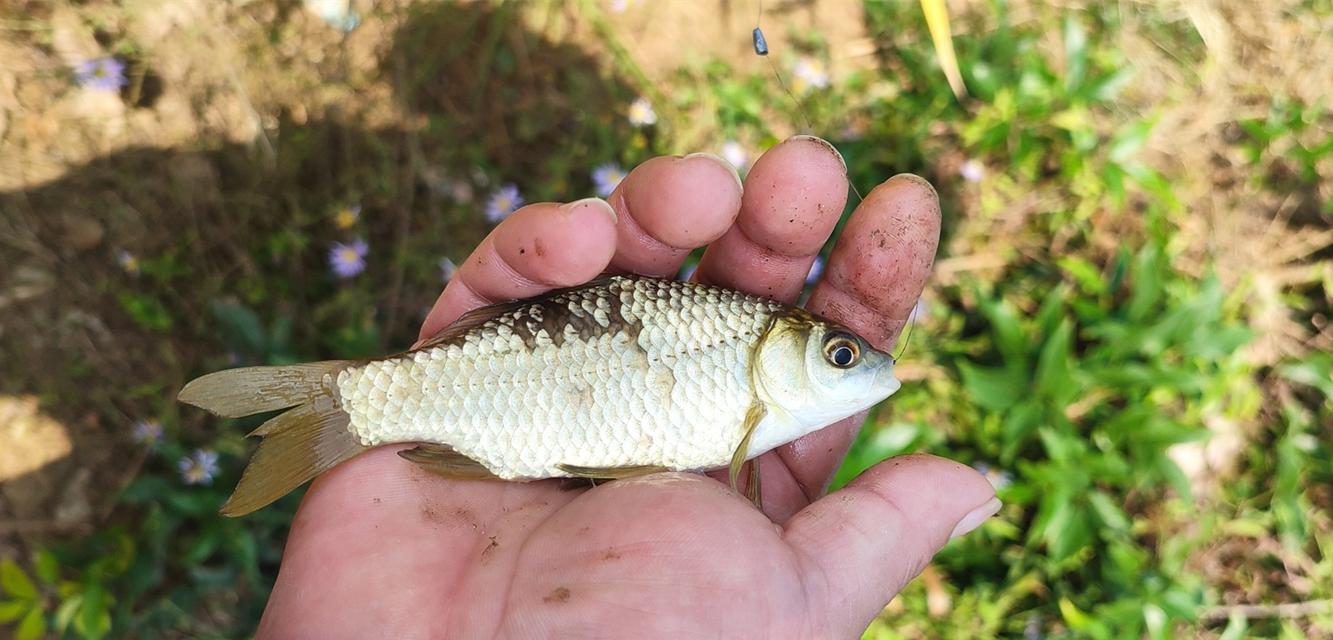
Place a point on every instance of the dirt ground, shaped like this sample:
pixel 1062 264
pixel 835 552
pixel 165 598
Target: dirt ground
pixel 227 108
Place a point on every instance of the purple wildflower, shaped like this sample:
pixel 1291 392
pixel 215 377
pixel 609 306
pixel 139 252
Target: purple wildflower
pixel 348 260
pixel 503 202
pixel 146 432
pixel 999 478
pixel 199 467
pixel 606 177
pixel 102 74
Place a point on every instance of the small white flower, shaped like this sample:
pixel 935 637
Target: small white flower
pixel 641 113
pixel 736 154
pixel 809 75
pixel 127 261
pixel 337 13
pixel 972 171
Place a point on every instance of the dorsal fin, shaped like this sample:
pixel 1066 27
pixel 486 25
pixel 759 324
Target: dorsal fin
pixel 481 315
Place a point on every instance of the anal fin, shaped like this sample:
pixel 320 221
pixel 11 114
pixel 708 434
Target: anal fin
pixel 443 461
pixel 753 491
pixel 609 473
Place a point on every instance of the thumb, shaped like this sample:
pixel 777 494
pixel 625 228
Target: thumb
pixel 859 546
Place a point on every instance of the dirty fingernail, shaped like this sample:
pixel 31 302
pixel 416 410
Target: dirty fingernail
pixel 826 144
pixel 917 180
pixel 975 517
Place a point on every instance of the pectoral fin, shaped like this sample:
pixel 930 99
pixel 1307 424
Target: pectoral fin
pixel 752 419
pixel 444 461
pixel 753 492
pixel 609 473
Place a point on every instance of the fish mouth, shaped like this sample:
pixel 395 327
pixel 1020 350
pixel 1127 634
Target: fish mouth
pixel 884 382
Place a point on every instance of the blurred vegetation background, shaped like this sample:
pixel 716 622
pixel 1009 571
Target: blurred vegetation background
pixel 1128 330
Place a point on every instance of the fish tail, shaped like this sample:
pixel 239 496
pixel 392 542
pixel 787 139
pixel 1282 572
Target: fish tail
pixel 297 445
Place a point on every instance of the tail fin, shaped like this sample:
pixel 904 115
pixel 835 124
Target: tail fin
pixel 233 393
pixel 299 444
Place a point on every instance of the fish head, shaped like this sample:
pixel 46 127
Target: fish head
pixel 815 372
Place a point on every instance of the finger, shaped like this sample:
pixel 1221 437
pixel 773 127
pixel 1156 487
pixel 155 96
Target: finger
pixel 793 198
pixel 670 206
pixel 858 547
pixel 540 247
pixel 874 277
pixel 881 262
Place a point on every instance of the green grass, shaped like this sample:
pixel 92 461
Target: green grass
pixel 1069 368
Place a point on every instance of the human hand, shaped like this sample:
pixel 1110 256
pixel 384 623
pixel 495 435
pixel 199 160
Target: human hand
pixel 380 548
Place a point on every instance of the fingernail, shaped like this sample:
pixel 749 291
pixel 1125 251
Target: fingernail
pixel 916 179
pixel 720 160
pixel 826 144
pixel 975 517
pixel 592 202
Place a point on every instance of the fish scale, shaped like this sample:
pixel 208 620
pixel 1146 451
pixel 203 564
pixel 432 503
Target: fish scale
pixel 667 383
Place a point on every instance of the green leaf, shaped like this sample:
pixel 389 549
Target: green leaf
pixel 33 626
pixel 66 611
pixel 46 567
pixel 1009 338
pixel 15 582
pixel 1052 310
pixel 1110 514
pixel 1129 140
pixel 1237 626
pixel 1068 533
pixel 990 388
pixel 1076 619
pixel 1146 280
pixel 1076 52
pixel 93 621
pixel 240 328
pixel 1017 426
pixel 1055 377
pixel 1089 278
pixel 14 609
pixel 203 546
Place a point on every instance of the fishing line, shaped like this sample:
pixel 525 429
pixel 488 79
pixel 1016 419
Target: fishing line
pixel 911 324
pixel 761 50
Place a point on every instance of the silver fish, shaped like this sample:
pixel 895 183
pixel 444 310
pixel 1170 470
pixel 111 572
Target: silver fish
pixel 619 377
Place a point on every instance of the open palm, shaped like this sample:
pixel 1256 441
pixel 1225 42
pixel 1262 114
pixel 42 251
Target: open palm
pixel 380 548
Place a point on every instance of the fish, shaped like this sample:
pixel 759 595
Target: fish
pixel 623 376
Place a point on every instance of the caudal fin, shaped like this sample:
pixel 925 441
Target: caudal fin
pixel 233 393
pixel 297 445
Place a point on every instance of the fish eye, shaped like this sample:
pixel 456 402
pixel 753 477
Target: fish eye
pixel 841 350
